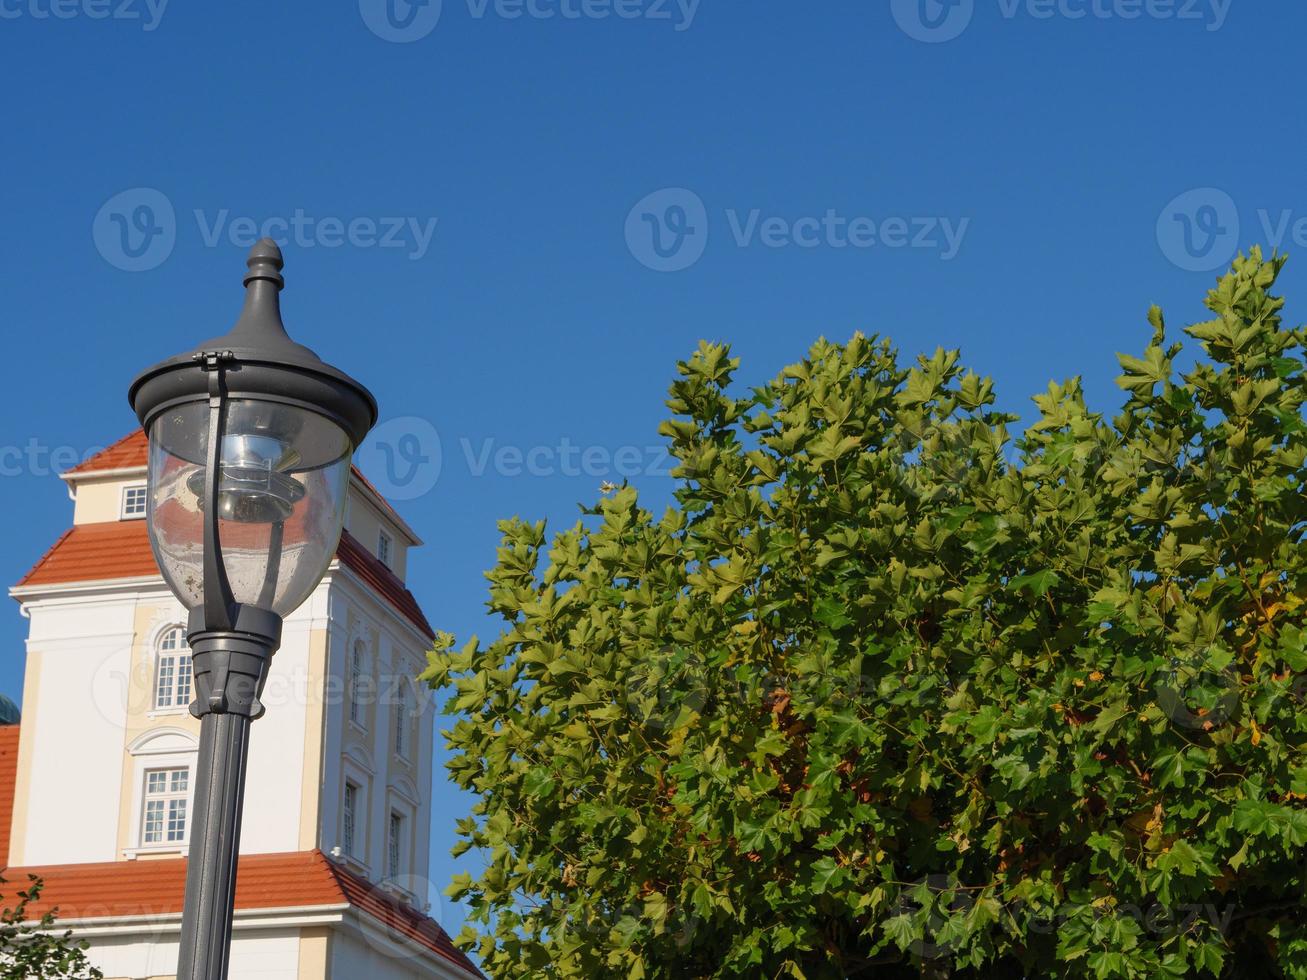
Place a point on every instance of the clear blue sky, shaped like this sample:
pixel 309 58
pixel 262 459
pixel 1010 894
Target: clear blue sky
pixel 1053 147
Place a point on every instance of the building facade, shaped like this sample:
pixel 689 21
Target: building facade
pixel 334 846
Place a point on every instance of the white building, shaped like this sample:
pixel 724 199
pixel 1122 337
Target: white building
pixel 95 783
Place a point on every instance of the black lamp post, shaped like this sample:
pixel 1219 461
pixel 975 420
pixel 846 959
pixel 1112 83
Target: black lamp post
pixel 251 437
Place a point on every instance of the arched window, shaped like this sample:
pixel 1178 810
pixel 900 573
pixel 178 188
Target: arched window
pixel 172 675
pixel 356 682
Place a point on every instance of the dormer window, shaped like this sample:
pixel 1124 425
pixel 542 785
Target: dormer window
pixel 385 548
pixel 134 502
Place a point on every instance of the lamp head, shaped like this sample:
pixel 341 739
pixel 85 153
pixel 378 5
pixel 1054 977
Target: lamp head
pixel 286 425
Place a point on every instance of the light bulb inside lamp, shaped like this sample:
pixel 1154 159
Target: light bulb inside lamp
pixel 253 484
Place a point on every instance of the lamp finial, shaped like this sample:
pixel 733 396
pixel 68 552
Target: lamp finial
pixel 265 262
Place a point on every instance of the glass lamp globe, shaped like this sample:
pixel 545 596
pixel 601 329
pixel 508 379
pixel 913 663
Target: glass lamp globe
pixel 281 500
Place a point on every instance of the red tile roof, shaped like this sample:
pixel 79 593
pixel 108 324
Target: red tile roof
pixel 121 549
pixel 306 879
pixel 398 917
pixel 129 451
pixel 363 563
pixel 8 777
pixel 93 552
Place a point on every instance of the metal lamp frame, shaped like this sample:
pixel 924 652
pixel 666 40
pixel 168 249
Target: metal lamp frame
pixel 232 644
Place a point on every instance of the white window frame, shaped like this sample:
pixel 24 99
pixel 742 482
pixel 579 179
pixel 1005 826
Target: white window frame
pixel 172 800
pixel 358 671
pixel 172 654
pixel 396 824
pixel 386 549
pixel 349 819
pixel 127 504
pixel 403 722
pixel 359 774
pixel 158 748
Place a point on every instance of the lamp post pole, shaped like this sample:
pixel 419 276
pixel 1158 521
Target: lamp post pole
pixel 251 437
pixel 215 840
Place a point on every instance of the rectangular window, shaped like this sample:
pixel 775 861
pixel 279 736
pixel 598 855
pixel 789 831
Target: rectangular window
pixel 351 808
pixel 393 850
pixel 384 548
pixel 133 502
pixel 401 725
pixel 356 684
pixel 164 820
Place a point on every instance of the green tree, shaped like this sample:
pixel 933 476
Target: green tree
pixel 33 950
pixel 890 692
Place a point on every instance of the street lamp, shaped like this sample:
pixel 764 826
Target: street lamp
pixel 251 437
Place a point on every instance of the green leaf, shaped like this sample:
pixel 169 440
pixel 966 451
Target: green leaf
pixel 825 875
pixel 1035 583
